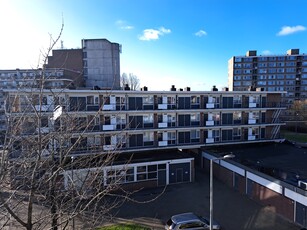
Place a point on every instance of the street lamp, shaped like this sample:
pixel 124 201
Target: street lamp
pixel 211 184
pixel 72 185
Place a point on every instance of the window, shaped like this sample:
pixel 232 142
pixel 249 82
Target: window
pixel 237 59
pixel 237 101
pixel 216 118
pixel 148 100
pixel 195 102
pixel 237 77
pixel 290 70
pixel 171 138
pixel 255 132
pixel 236 133
pixel 290 64
pixel 237 117
pixel 279 70
pixel 148 118
pixel 148 136
pixel 272 58
pixel 261 82
pixel 195 118
pixel 216 135
pixel 247 59
pixel 272 64
pixel 262 58
pixel 195 134
pixel 247 77
pixel 262 77
pixel 280 76
pixel 262 64
pixel 247 65
pixel 262 71
pixel 291 58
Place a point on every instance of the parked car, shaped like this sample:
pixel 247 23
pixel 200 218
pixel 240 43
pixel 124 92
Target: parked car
pixel 190 221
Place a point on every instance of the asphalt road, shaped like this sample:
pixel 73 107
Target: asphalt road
pixel 231 209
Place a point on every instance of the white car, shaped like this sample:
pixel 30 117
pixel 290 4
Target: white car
pixel 190 221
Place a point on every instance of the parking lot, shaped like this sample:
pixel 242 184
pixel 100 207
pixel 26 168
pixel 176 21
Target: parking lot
pixel 231 209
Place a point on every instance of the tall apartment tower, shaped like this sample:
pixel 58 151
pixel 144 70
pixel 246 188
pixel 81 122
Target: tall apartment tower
pixel 287 72
pixel 101 63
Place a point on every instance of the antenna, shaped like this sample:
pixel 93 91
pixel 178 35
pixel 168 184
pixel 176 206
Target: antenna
pixel 62 44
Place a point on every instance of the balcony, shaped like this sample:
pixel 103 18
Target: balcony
pixel 44 108
pixel 43 130
pixel 162 143
pixel 108 147
pixel 209 123
pixel 109 107
pixel 162 125
pixel 251 121
pixel 209 140
pixel 251 138
pixel 252 105
pixel 162 106
pixel 108 127
pixel 210 105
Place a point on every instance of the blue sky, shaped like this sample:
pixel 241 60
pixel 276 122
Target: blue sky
pixel 165 42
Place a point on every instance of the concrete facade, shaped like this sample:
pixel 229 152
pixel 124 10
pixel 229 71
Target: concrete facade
pixel 101 63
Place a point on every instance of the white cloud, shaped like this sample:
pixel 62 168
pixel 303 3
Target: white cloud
pixel 123 25
pixel 286 30
pixel 200 33
pixel 266 52
pixel 153 34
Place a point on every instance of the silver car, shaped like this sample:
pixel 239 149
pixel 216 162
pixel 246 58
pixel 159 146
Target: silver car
pixel 189 221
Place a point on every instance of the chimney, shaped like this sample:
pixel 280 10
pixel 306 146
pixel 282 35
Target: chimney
pixel 214 88
pixel 127 87
pixel 173 88
pixel 187 89
pixel 144 88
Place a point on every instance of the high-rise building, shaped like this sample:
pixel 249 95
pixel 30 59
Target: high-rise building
pixel 101 63
pixel 285 72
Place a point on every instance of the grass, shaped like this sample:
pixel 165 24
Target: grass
pixel 123 227
pixel 293 136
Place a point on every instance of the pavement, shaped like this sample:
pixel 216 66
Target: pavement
pixel 231 209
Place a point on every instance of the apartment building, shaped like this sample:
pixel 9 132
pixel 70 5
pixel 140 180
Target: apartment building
pixel 98 61
pixel 286 72
pixel 32 78
pixel 142 122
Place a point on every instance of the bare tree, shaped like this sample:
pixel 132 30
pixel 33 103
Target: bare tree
pixel 44 184
pixel 130 80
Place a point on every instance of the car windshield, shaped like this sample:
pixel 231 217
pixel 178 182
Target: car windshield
pixel 204 220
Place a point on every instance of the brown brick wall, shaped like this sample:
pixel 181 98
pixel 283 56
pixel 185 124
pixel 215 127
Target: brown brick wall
pixel 66 59
pixel 278 202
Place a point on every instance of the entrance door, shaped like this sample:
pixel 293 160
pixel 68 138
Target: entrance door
pixel 179 175
pixel 301 214
pixel 161 177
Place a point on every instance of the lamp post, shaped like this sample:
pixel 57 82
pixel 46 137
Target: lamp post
pixel 72 178
pixel 211 184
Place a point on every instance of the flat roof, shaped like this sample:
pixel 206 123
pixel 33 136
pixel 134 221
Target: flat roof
pixel 284 161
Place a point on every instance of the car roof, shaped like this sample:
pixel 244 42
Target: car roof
pixel 184 217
